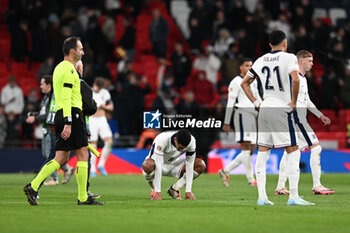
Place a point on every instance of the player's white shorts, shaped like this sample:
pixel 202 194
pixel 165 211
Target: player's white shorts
pixel 172 169
pixel 306 135
pixel 245 126
pixel 99 127
pixel 276 128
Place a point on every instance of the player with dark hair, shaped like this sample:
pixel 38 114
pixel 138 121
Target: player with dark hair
pixel 164 160
pixel 278 72
pixel 244 122
pixel 70 125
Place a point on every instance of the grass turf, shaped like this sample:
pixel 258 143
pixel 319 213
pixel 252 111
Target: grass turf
pixel 217 209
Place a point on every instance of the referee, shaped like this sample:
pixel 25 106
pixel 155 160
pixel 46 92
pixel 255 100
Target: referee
pixel 70 126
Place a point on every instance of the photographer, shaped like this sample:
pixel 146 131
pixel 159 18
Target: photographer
pixel 49 137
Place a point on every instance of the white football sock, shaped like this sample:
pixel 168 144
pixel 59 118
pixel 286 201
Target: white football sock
pixel 293 173
pixel 234 163
pixel 245 159
pixel 282 178
pixel 93 160
pixel 315 164
pixel 107 148
pixel 260 170
pixel 182 181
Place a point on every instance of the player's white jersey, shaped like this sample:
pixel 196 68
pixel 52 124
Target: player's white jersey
pixel 304 103
pixel 273 69
pixel 303 95
pixel 101 97
pixel 237 97
pixel 164 145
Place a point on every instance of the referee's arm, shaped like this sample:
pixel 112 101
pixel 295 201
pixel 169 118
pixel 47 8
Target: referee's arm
pixel 67 96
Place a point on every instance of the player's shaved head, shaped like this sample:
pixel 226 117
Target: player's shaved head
pixel 277 37
pixel 183 137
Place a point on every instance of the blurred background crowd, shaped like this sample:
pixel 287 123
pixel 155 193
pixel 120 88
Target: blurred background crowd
pixel 174 55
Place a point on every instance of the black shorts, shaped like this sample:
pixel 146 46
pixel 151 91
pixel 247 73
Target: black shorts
pixel 78 137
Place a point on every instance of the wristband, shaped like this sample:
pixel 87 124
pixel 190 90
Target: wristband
pixel 68 120
pixel 257 103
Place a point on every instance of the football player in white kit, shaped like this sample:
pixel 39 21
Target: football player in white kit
pixel 164 159
pixel 99 125
pixel 244 122
pixel 306 136
pixel 278 72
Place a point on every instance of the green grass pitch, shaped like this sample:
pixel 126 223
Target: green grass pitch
pixel 128 207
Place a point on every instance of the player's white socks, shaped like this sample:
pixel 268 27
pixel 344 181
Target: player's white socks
pixel 293 173
pixel 93 160
pixel 282 178
pixel 260 170
pixel 234 163
pixel 182 181
pixel 315 164
pixel 247 165
pixel 107 148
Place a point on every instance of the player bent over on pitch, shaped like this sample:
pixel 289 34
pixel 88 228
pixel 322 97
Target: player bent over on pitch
pixel 164 160
pixel 70 124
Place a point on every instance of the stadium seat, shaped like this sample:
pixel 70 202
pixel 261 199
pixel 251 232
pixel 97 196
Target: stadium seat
pixel 319 13
pixel 337 13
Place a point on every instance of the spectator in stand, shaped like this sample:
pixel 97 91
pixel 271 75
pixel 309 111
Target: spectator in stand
pixel 164 102
pixel 330 88
pixel 188 104
pixel 33 98
pixel 345 87
pixel 46 68
pixel 19 42
pixel 200 13
pixel 198 33
pixel 302 39
pixel 3 126
pixel 223 42
pixel 337 50
pixel 40 42
pixel 208 62
pixel 219 23
pixel 230 64
pixel 319 38
pixel 158 34
pixel 12 97
pixel 203 89
pixel 131 100
pixel 108 30
pixel 128 39
pixel 100 68
pixel 237 15
pixel 181 65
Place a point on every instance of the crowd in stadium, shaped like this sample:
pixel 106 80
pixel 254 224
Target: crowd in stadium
pixel 147 62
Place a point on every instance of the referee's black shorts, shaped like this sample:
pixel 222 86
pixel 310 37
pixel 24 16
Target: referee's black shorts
pixel 78 137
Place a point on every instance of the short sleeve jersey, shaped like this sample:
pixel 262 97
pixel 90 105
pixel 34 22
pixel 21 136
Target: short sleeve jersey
pixel 235 90
pixel 273 69
pixel 101 97
pixel 66 87
pixel 163 145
